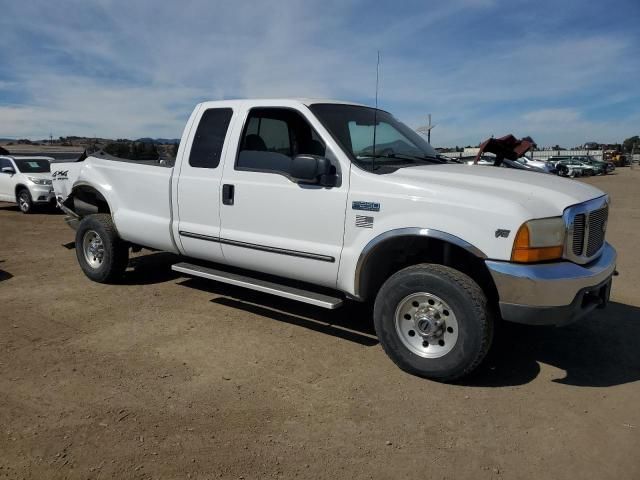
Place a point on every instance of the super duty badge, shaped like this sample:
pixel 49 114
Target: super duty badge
pixel 368 206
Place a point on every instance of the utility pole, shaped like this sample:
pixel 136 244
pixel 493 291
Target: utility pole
pixel 426 129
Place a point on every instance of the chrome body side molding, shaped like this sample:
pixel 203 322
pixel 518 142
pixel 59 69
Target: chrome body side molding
pixel 263 248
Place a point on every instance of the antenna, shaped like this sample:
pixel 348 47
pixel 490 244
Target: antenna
pixel 427 128
pixel 375 115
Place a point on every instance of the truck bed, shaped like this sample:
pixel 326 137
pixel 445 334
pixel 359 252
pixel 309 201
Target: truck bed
pixel 141 206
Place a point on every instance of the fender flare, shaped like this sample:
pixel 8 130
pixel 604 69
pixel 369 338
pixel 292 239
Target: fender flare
pixel 407 232
pixel 99 191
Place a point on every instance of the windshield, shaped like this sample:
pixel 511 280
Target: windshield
pixel 396 145
pixel 32 166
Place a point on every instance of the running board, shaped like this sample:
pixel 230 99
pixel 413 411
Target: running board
pixel 292 293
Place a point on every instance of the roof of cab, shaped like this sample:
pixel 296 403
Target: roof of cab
pixel 258 102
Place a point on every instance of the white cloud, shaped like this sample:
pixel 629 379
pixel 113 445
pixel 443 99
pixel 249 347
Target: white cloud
pixel 555 116
pixel 136 68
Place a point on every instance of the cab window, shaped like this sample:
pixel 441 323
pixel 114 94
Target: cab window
pixel 209 139
pixel 272 137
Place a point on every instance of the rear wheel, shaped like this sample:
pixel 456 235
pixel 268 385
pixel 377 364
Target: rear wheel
pixel 433 321
pixel 24 201
pixel 102 254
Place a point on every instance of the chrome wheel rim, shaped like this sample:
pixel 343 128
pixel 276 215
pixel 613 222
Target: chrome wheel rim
pixel 93 249
pixel 426 325
pixel 23 202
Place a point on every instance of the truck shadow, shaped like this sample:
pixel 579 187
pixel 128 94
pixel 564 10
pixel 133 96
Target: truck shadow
pixel 599 351
pixel 352 322
pixel 149 269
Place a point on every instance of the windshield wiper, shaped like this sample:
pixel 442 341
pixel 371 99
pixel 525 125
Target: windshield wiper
pixel 407 156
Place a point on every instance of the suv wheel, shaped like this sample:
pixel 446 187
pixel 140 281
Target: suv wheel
pixel 24 201
pixel 433 321
pixel 102 254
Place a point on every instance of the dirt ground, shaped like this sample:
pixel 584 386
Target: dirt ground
pixel 166 377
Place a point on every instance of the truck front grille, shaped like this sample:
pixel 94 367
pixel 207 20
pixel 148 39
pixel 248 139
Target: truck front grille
pixel 587 224
pixel 578 234
pixel 597 227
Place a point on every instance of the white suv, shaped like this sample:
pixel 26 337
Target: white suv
pixel 26 181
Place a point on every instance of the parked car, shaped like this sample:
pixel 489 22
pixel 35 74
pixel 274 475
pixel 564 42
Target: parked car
pixel 26 181
pixel 506 163
pixel 600 167
pixel 540 164
pixel 574 168
pixel 518 164
pixel 288 197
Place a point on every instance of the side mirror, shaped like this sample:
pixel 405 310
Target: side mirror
pixel 8 170
pixel 313 169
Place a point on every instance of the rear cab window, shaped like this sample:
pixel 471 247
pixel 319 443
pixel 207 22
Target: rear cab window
pixel 206 148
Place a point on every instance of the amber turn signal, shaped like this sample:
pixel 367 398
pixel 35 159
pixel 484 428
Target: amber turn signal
pixel 523 252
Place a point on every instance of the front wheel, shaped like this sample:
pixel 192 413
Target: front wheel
pixel 25 201
pixel 433 321
pixel 102 254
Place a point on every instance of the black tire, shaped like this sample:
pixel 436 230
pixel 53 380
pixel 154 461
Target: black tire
pixel 24 201
pixel 115 252
pixel 465 298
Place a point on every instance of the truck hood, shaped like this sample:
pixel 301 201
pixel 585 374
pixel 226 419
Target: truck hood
pixel 541 194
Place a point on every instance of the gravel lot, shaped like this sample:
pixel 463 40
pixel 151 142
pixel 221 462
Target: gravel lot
pixel 166 377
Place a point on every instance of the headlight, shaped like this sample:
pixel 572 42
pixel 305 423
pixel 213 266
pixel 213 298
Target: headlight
pixel 40 181
pixel 539 240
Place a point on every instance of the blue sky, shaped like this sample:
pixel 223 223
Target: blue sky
pixel 563 71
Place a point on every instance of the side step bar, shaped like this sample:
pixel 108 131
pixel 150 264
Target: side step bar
pixel 292 293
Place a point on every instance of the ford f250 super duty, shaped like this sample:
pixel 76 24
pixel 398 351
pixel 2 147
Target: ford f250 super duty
pixel 324 201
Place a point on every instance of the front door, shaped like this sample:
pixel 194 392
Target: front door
pixel 198 188
pixel 273 224
pixel 6 182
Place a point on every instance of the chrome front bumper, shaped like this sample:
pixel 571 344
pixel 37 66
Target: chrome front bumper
pixel 552 293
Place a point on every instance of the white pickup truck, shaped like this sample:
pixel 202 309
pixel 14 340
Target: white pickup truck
pixel 324 201
pixel 26 181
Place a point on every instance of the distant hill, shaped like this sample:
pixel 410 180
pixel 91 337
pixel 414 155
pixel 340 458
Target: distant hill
pixel 158 141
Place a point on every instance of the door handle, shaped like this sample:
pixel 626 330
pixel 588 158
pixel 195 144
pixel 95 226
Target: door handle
pixel 228 192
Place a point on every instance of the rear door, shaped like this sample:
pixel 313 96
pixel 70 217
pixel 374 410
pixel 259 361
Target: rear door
pixel 198 184
pixel 273 224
